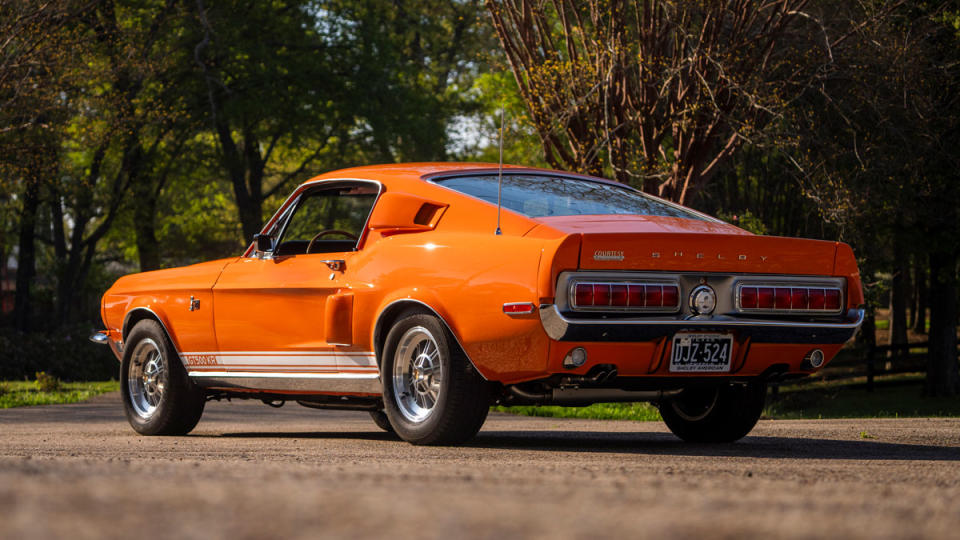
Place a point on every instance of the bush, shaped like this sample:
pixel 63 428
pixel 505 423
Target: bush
pixel 66 355
pixel 4 389
pixel 46 383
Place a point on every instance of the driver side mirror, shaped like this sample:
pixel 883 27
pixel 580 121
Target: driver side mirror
pixel 263 243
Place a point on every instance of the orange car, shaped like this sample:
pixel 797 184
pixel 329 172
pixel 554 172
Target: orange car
pixel 408 291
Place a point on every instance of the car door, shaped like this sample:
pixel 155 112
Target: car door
pixel 284 314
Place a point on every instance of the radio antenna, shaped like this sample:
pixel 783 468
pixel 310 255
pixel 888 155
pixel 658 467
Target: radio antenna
pixel 500 175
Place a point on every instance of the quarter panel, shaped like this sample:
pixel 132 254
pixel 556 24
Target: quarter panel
pixel 466 278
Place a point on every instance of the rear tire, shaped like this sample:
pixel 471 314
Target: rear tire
pixel 381 420
pixel 158 396
pixel 432 394
pixel 714 415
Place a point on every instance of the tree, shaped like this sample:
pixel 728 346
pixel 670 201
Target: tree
pixel 660 94
pixel 265 69
pixel 409 66
pixel 878 153
pixel 35 49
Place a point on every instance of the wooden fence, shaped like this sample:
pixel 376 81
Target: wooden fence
pixel 892 359
pixel 873 362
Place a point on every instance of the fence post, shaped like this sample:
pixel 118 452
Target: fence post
pixel 871 352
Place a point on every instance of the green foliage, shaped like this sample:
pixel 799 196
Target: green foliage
pixel 23 394
pixel 158 134
pixel 410 66
pixel 497 92
pixel 643 412
pixel 745 220
pixel 46 382
pixel 65 354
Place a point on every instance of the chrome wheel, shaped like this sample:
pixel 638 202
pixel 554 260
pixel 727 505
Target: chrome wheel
pixel 146 378
pixel 417 374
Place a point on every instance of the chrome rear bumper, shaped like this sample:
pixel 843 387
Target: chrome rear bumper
pixel 563 328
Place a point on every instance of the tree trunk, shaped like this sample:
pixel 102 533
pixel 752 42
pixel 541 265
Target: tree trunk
pixel 144 228
pixel 898 300
pixel 249 205
pixel 144 212
pixel 943 375
pixel 249 209
pixel 26 258
pixel 920 312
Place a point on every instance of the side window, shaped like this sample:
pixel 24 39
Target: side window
pixel 328 220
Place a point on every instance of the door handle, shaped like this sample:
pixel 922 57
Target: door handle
pixel 336 265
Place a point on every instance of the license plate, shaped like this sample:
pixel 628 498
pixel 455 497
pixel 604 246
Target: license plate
pixel 701 352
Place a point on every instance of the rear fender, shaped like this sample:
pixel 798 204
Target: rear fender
pixel 846 265
pixel 402 301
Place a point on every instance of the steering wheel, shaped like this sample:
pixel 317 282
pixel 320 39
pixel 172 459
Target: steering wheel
pixel 330 231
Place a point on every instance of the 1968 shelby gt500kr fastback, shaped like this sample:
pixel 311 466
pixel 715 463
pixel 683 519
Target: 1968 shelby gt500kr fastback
pixel 404 290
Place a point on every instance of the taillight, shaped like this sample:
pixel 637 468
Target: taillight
pixel 796 299
pixel 831 301
pixel 626 296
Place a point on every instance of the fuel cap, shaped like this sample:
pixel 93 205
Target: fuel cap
pixel 703 300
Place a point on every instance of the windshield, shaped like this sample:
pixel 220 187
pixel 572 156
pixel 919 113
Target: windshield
pixel 546 195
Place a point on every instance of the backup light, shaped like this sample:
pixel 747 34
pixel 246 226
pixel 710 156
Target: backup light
pixel 813 359
pixel 575 358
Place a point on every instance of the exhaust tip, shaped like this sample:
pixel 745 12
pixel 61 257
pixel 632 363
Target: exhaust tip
pixel 814 359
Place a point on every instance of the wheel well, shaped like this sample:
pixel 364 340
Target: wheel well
pixel 393 313
pixel 140 314
pixel 400 309
pixel 137 315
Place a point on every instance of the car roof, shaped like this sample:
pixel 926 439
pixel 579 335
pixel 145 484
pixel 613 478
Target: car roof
pixel 399 173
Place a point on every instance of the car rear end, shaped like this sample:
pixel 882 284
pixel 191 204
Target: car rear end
pixel 677 305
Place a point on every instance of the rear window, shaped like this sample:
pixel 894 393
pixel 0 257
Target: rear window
pixel 545 195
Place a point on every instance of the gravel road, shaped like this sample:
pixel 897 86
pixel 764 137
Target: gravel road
pixel 249 471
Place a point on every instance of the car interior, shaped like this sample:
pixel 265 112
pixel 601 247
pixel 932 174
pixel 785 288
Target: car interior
pixel 327 220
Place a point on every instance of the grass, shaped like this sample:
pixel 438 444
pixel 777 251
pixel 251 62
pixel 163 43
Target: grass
pixel 601 411
pixel 893 397
pixel 26 393
pixel 898 396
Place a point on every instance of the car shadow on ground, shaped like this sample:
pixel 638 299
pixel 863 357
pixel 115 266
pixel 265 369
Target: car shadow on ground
pixel 661 444
pixel 754 447
pixel 352 435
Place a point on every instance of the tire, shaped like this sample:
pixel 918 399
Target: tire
pixel 432 395
pixel 158 397
pixel 381 420
pixel 714 415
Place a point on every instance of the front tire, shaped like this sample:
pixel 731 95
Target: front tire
pixel 714 415
pixel 158 397
pixel 432 394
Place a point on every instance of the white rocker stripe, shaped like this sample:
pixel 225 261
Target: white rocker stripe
pixel 269 375
pixel 264 359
